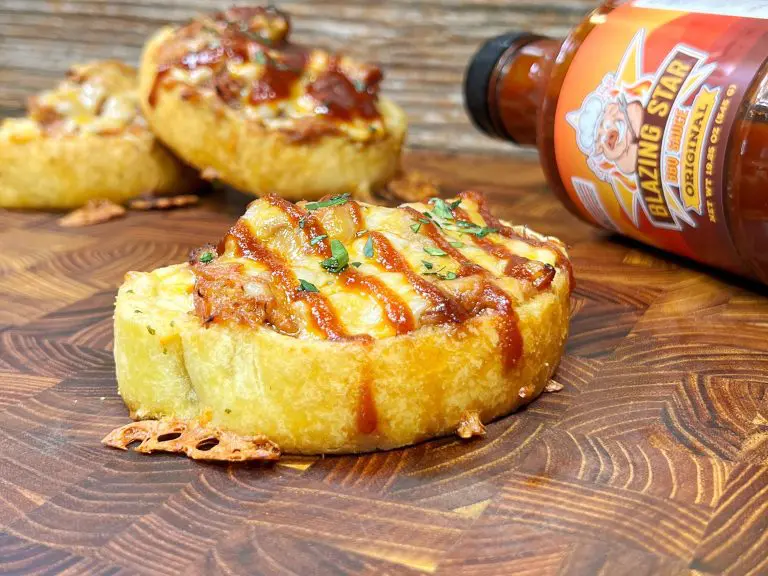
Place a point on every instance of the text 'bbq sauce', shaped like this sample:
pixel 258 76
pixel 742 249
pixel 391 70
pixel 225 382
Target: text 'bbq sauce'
pixel 651 119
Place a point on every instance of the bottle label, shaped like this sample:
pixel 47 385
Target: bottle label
pixel 644 116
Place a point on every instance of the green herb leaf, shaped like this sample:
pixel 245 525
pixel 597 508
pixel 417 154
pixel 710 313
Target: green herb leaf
pixel 368 248
pixel 457 244
pixel 434 251
pixel 430 220
pixel 455 204
pixel 441 208
pixel 302 222
pixel 427 265
pixel 360 86
pixel 129 292
pixel 433 272
pixel 151 330
pixel 305 286
pixel 317 239
pixel 416 227
pixel 137 311
pixel 483 232
pixel 339 259
pixel 471 228
pixel 356 264
pixel 227 411
pixel 207 257
pixel 446 276
pixel 260 58
pixel 335 201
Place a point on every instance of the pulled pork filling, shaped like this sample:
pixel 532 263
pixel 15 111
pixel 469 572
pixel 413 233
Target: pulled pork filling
pixel 98 98
pixel 223 292
pixel 243 58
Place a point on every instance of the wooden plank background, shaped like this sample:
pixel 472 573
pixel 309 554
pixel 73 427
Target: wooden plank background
pixel 424 45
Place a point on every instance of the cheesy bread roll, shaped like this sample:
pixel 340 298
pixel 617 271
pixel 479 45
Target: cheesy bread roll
pixel 232 96
pixel 339 326
pixel 83 140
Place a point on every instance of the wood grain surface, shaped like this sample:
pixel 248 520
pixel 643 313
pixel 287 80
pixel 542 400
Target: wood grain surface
pixel 423 45
pixel 652 460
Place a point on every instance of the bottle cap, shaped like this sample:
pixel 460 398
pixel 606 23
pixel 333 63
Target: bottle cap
pixel 477 80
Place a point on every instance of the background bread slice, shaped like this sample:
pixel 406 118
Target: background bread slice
pixel 213 137
pixel 63 171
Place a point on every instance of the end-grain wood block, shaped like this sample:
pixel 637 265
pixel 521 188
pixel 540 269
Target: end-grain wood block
pixel 652 458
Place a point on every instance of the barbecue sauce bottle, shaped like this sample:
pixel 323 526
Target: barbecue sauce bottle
pixel 651 119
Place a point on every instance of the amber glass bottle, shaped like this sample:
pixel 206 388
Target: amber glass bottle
pixel 651 119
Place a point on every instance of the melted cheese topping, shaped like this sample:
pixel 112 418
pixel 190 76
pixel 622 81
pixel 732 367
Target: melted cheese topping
pixel 401 262
pixel 243 57
pixel 97 98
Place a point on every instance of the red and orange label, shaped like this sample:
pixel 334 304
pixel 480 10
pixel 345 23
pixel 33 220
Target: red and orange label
pixel 644 116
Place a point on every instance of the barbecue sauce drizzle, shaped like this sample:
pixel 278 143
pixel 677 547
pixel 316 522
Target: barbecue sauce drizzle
pixel 492 297
pixel 518 267
pixel 397 312
pixel 324 317
pixel 449 309
pixel 336 95
pixel 509 232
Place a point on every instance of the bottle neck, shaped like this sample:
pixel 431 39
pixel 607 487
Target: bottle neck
pixel 517 88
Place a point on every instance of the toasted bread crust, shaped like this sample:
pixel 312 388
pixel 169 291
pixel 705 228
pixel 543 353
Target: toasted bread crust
pixel 364 380
pixel 67 172
pixel 61 159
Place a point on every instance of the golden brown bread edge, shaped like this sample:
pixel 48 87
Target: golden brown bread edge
pixel 311 396
pixel 64 173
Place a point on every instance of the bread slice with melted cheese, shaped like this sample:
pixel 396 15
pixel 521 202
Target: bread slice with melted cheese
pixel 83 140
pixel 233 97
pixel 339 326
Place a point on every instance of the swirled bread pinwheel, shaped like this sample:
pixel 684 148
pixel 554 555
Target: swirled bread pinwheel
pixel 339 326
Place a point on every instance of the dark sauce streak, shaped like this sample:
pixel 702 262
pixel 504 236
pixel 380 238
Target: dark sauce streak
pixel 467 267
pixel 367 417
pixel 356 213
pixel 397 312
pixel 240 39
pixel 510 337
pixel 492 297
pixel 312 227
pixel 339 98
pixel 508 232
pixel 276 84
pixel 540 275
pixel 448 310
pixel 324 317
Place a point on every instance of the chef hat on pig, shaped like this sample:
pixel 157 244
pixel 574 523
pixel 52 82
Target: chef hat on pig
pixel 586 121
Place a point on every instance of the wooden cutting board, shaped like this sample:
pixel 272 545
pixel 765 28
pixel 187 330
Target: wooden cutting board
pixel 652 460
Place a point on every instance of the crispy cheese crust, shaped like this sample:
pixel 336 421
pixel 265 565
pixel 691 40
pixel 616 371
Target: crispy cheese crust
pixel 345 327
pixel 85 139
pixel 233 97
